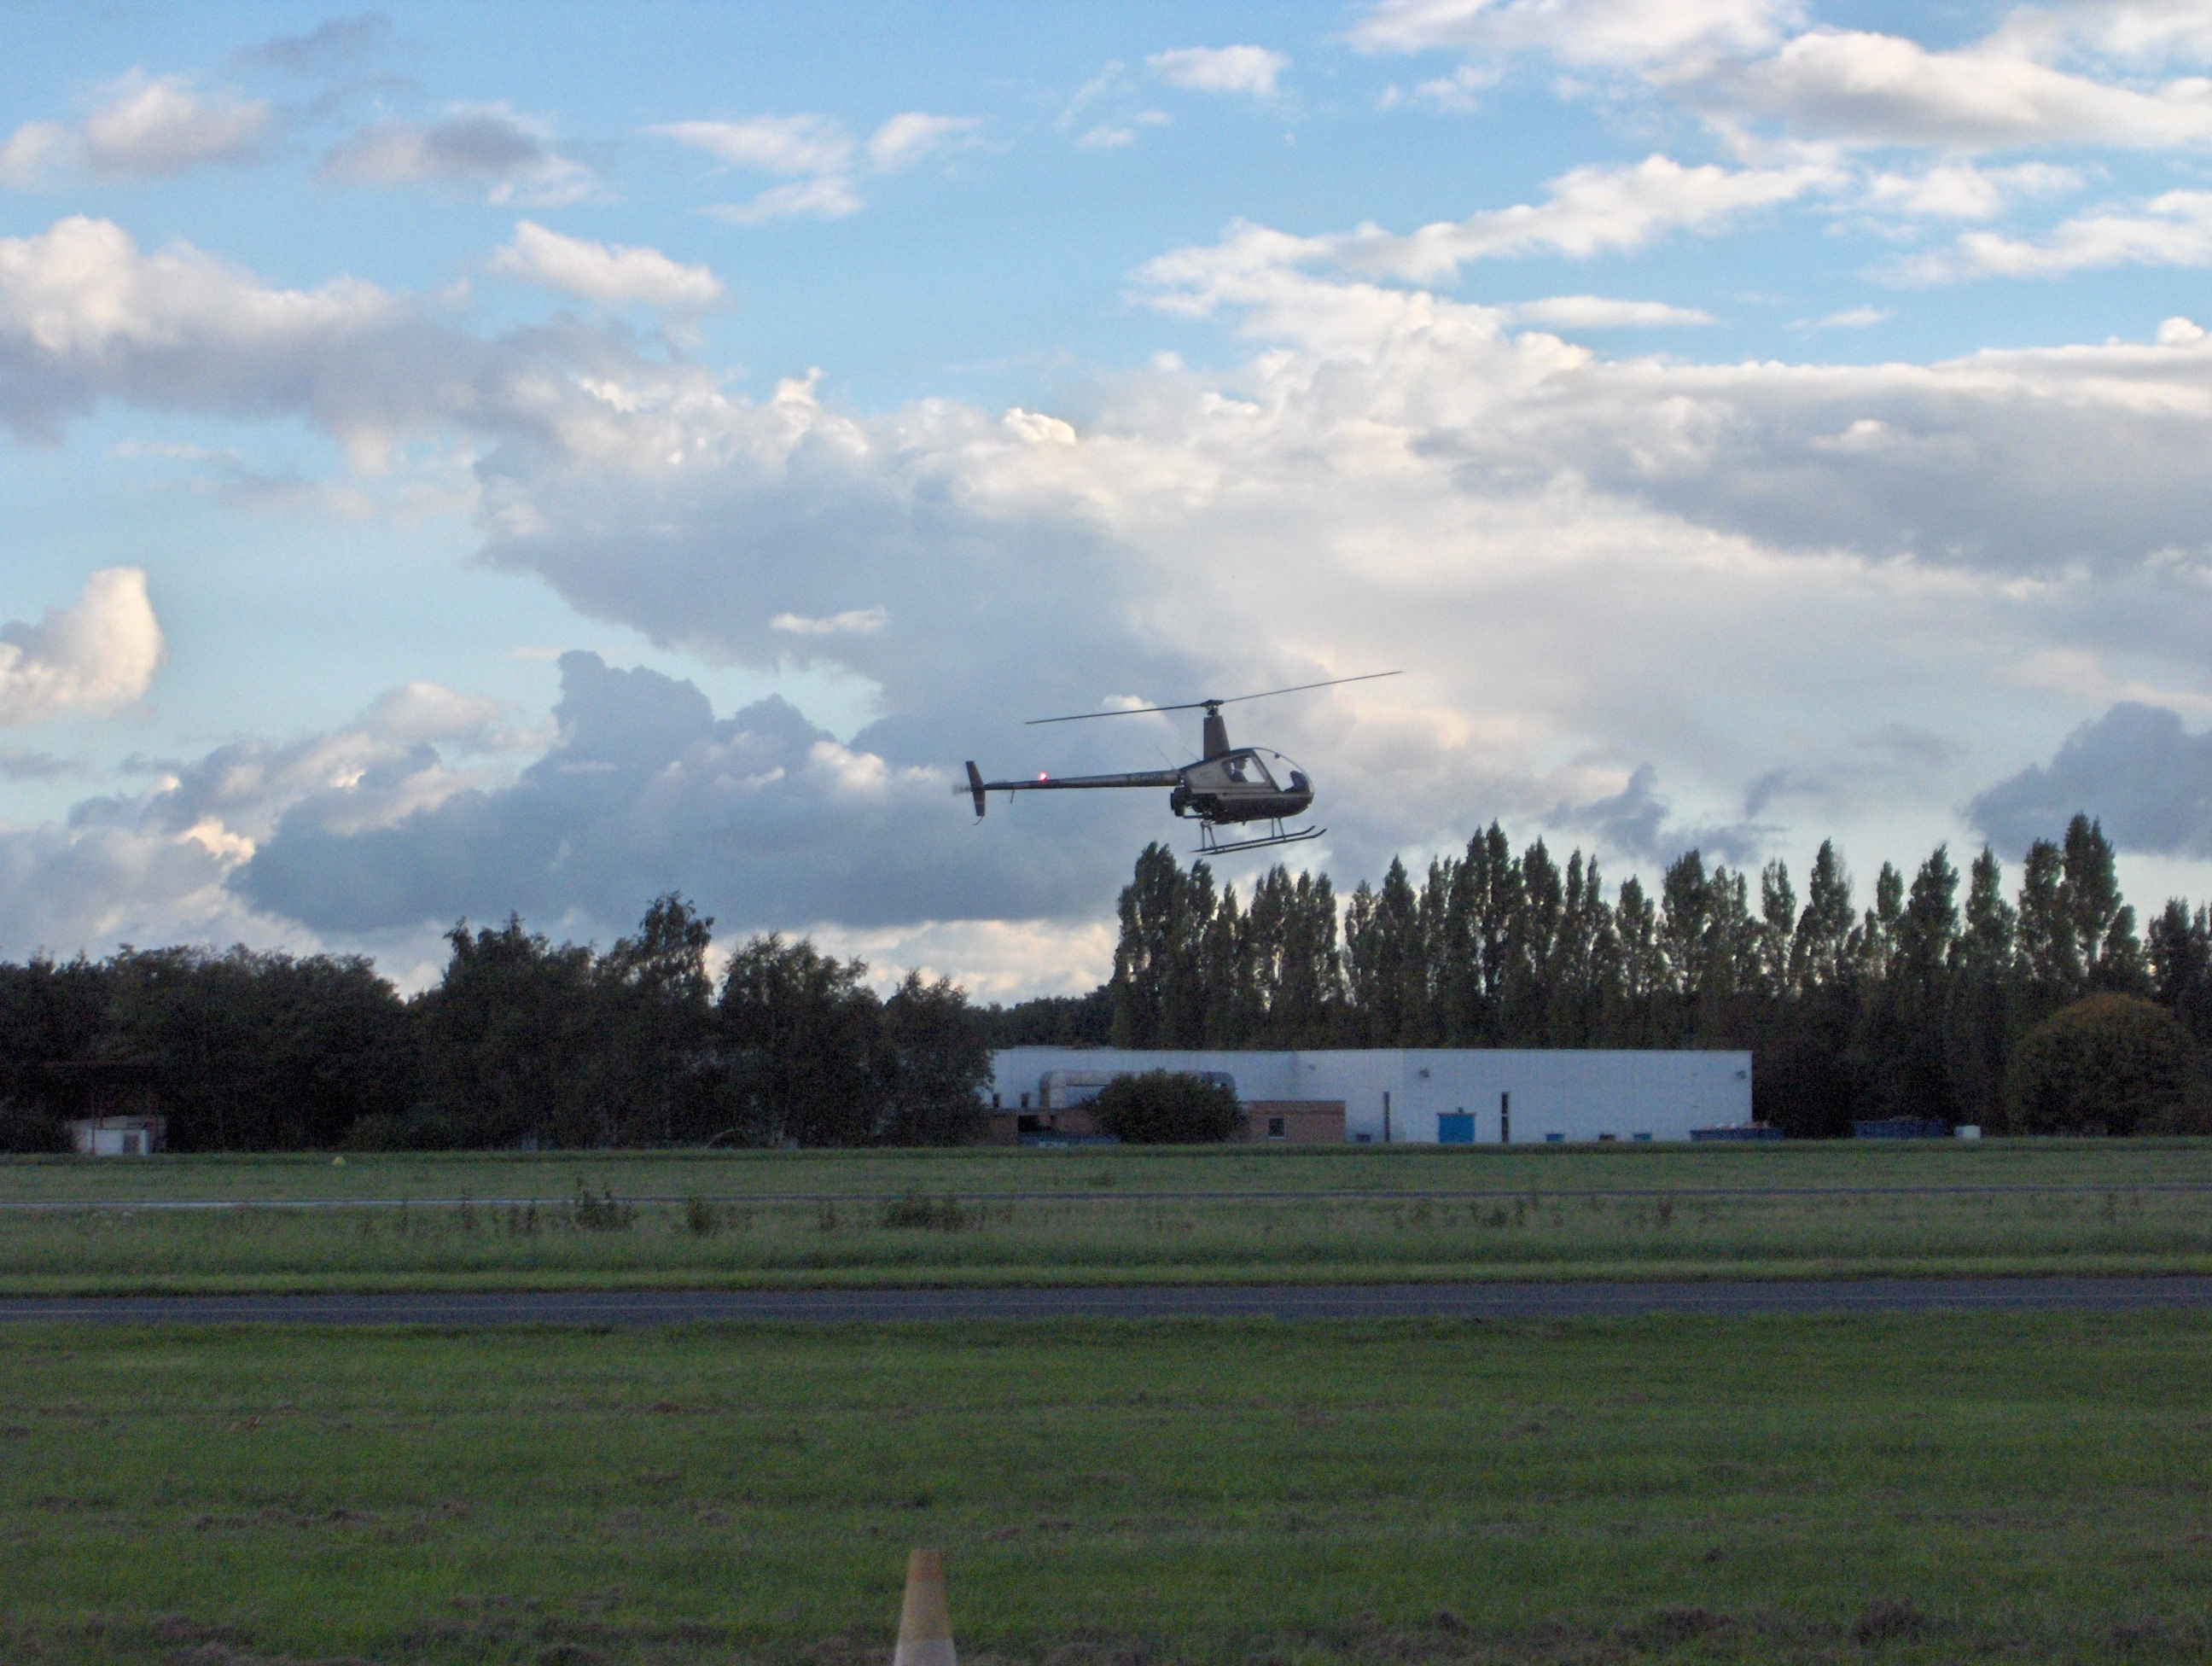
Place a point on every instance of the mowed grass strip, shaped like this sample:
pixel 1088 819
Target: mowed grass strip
pixel 737 1176
pixel 1931 1488
pixel 596 1241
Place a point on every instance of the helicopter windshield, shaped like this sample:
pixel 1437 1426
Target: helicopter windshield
pixel 1246 770
pixel 1286 773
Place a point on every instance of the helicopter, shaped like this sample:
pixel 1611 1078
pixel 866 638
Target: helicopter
pixel 1228 787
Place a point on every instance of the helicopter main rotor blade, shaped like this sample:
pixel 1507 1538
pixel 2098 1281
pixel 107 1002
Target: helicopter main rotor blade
pixel 1126 711
pixel 1300 688
pixel 1200 705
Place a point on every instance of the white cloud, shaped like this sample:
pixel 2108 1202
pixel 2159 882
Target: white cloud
pixel 2130 32
pixel 827 198
pixel 1885 89
pixel 1851 318
pixel 772 144
pixel 1456 92
pixel 138 127
pixel 1591 210
pixel 859 622
pixel 613 274
pixel 817 149
pixel 1105 137
pixel 1581 561
pixel 484 148
pixel 1611 33
pixel 35 153
pixel 2172 229
pixel 1251 69
pixel 907 138
pixel 1601 312
pixel 95 657
pixel 86 316
pixel 1962 191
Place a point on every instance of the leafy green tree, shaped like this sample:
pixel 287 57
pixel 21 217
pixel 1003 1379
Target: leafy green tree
pixel 2047 941
pixel 507 1043
pixel 2104 927
pixel 1159 998
pixel 937 1051
pixel 1777 928
pixel 656 1073
pixel 1386 961
pixel 1820 951
pixel 2179 953
pixel 804 1046
pixel 1584 961
pixel 259 1052
pixel 1167 1107
pixel 2107 1064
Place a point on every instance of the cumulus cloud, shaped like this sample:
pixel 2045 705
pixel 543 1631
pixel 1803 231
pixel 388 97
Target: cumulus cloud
pixel 86 315
pixel 760 816
pixel 93 657
pixel 1251 69
pixel 163 865
pixel 483 148
pixel 2136 768
pixel 613 275
pixel 139 127
pixel 1581 561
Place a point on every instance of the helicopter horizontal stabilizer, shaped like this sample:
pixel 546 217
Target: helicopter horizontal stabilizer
pixel 974 787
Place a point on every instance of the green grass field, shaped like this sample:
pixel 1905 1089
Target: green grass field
pixel 1998 1488
pixel 1039 1217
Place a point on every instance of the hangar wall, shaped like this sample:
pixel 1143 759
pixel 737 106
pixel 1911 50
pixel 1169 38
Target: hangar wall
pixel 1560 1094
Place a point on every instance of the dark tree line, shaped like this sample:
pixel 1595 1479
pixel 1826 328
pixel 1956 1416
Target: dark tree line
pixel 522 1041
pixel 1916 1005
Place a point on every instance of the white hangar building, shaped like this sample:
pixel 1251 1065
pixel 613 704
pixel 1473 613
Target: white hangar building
pixel 1421 1096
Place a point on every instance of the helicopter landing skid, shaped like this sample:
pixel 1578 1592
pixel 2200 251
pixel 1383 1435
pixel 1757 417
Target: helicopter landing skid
pixel 1210 846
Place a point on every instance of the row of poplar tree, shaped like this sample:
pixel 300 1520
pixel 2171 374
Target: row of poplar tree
pixel 521 1041
pixel 1915 1006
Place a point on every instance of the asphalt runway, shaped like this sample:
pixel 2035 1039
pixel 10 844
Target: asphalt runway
pixel 1718 1298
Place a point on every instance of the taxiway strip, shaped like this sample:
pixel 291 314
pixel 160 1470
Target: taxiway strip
pixel 1716 1299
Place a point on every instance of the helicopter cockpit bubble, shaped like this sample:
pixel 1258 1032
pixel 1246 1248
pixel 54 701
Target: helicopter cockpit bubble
pixel 1287 776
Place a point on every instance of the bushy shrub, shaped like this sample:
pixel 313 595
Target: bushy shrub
pixel 2111 1064
pixel 1167 1107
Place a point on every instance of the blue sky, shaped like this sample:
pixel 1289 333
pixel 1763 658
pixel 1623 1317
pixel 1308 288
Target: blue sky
pixel 1743 421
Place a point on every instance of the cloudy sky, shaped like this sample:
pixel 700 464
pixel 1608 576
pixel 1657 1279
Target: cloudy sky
pixel 468 459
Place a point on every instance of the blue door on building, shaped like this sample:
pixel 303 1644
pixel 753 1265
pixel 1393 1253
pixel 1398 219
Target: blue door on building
pixel 1455 1128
